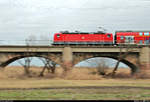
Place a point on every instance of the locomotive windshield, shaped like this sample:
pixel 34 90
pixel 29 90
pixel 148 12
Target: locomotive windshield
pixel 108 35
pixel 58 35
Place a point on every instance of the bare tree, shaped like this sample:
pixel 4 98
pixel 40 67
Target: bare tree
pixel 121 56
pixel 49 65
pixel 26 65
pixel 31 40
pixel 27 61
pixel 44 40
pixel 101 65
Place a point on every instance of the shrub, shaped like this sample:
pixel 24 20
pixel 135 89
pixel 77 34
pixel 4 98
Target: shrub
pixel 102 67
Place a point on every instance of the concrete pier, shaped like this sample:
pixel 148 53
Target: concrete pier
pixel 67 58
pixel 144 58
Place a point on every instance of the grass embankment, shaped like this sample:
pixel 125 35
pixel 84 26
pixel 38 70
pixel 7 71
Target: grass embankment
pixel 82 82
pixel 77 94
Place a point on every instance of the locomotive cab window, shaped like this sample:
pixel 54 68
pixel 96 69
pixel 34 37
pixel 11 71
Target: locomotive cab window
pixel 58 35
pixel 108 35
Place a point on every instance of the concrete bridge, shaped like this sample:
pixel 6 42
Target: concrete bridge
pixel 137 59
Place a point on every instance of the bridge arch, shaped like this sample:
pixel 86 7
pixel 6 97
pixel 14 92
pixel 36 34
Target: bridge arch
pixel 133 66
pixel 7 62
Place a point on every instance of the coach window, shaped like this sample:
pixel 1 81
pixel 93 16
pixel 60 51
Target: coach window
pixel 141 42
pixel 58 35
pixel 146 42
pixel 121 37
pixel 146 33
pixel 140 33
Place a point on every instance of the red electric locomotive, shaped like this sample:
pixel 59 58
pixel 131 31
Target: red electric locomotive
pixel 77 37
pixel 132 37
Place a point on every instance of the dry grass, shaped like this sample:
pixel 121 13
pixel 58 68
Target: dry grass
pixel 144 74
pixel 16 72
pixel 108 88
pixel 13 77
pixel 122 73
pixel 83 74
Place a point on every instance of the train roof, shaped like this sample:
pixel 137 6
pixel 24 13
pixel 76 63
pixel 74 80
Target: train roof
pixel 78 32
pixel 133 31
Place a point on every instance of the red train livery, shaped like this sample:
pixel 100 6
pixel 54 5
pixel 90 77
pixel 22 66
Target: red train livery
pixel 132 37
pixel 101 38
pixel 83 38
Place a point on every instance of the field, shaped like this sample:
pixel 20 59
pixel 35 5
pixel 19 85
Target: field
pixel 81 84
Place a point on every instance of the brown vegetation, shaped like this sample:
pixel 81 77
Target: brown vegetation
pixel 78 73
pixel 144 74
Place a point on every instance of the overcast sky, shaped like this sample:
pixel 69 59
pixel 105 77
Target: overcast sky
pixel 21 18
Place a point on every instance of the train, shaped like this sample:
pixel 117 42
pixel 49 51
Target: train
pixel 102 38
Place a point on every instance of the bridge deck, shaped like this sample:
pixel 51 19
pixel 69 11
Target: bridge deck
pixel 74 48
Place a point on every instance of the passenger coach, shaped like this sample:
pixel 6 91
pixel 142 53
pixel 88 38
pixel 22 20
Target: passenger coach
pixel 132 37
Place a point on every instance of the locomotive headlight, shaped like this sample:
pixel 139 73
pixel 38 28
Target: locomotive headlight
pixel 82 37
